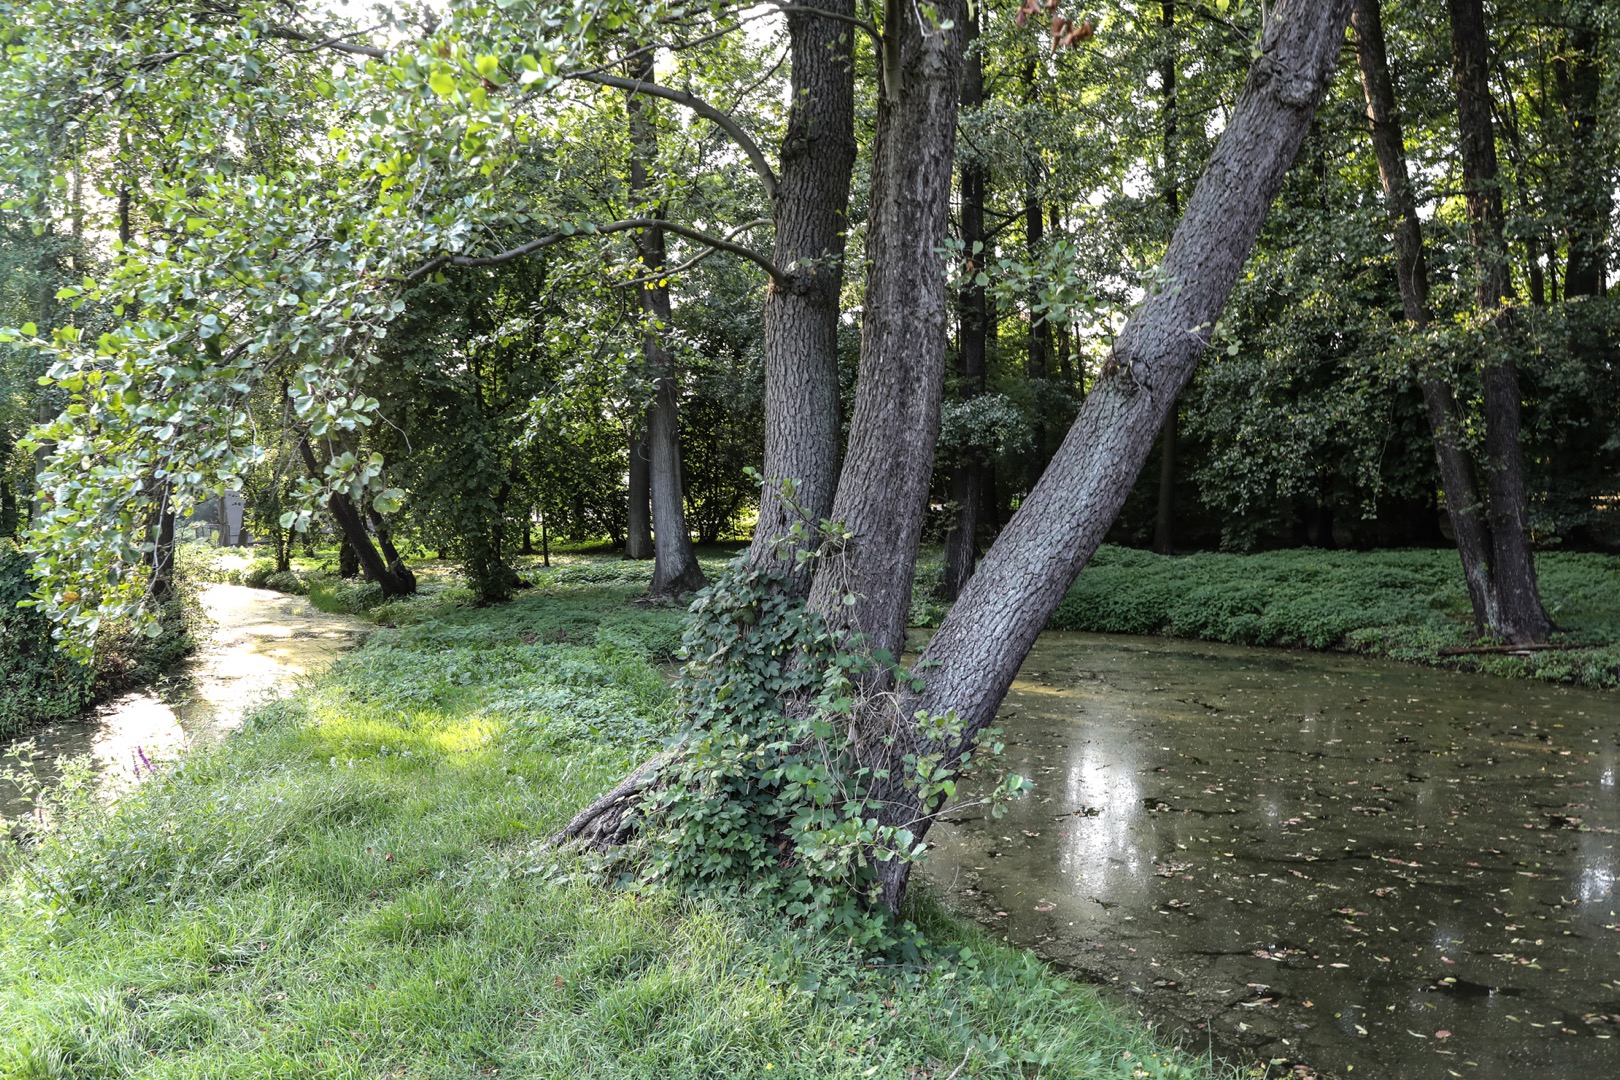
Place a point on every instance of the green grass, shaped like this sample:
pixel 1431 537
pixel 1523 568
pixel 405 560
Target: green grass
pixel 1404 604
pixel 355 886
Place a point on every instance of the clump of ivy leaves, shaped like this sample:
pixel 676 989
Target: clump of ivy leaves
pixel 766 796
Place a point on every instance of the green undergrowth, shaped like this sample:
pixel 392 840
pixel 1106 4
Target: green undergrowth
pixel 355 885
pixel 1407 605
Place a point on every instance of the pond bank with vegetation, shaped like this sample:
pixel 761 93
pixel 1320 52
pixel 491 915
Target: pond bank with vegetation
pixel 1406 605
pixel 356 885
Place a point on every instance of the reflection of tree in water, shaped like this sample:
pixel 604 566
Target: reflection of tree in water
pixel 1375 840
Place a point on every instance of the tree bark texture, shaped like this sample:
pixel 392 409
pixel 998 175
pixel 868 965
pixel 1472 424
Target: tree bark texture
pixel 1020 581
pixel 675 566
pixel 1523 619
pixel 883 486
pixel 967 479
pixel 1464 505
pixel 802 427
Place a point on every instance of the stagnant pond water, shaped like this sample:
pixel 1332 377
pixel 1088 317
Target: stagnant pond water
pixel 259 642
pixel 1359 868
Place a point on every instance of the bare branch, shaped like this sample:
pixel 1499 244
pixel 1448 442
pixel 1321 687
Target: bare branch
pixel 336 44
pixel 836 16
pixel 538 243
pixel 756 156
pixel 689 263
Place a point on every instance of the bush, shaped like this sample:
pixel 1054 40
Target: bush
pixel 259 574
pixel 335 596
pixel 286 581
pixel 38 683
pixel 41 684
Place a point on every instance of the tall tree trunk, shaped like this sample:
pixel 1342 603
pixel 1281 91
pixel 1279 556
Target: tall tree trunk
pixel 801 314
pixel 1020 581
pixel 1164 523
pixel 1523 619
pixel 1464 506
pixel 353 531
pixel 163 551
pixel 675 566
pixel 638 538
pixel 1588 198
pixel 884 482
pixel 967 479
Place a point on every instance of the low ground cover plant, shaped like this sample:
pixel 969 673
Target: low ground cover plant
pixel 357 885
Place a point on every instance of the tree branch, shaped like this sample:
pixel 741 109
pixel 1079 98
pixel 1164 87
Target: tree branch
pixel 336 44
pixel 696 235
pixel 756 157
pixel 836 16
pixel 689 263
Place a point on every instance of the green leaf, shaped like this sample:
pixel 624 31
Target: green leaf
pixel 442 83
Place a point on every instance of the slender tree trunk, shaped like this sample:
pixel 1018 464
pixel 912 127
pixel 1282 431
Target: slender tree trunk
pixel 885 478
pixel 348 558
pixel 801 314
pixel 1020 581
pixel 675 566
pixel 1464 506
pixel 163 552
pixel 1523 619
pixel 967 480
pixel 1588 197
pixel 1164 525
pixel 638 538
pixel 1164 522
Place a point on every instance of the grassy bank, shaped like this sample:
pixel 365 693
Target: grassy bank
pixel 1408 605
pixel 355 886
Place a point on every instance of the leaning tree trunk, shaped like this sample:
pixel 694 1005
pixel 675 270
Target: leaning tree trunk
pixel 675 566
pixel 1020 581
pixel 883 488
pixel 802 312
pixel 1464 507
pixel 1523 619
pixel 353 530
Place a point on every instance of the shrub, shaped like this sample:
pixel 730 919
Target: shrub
pixel 38 683
pixel 258 575
pixel 286 581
